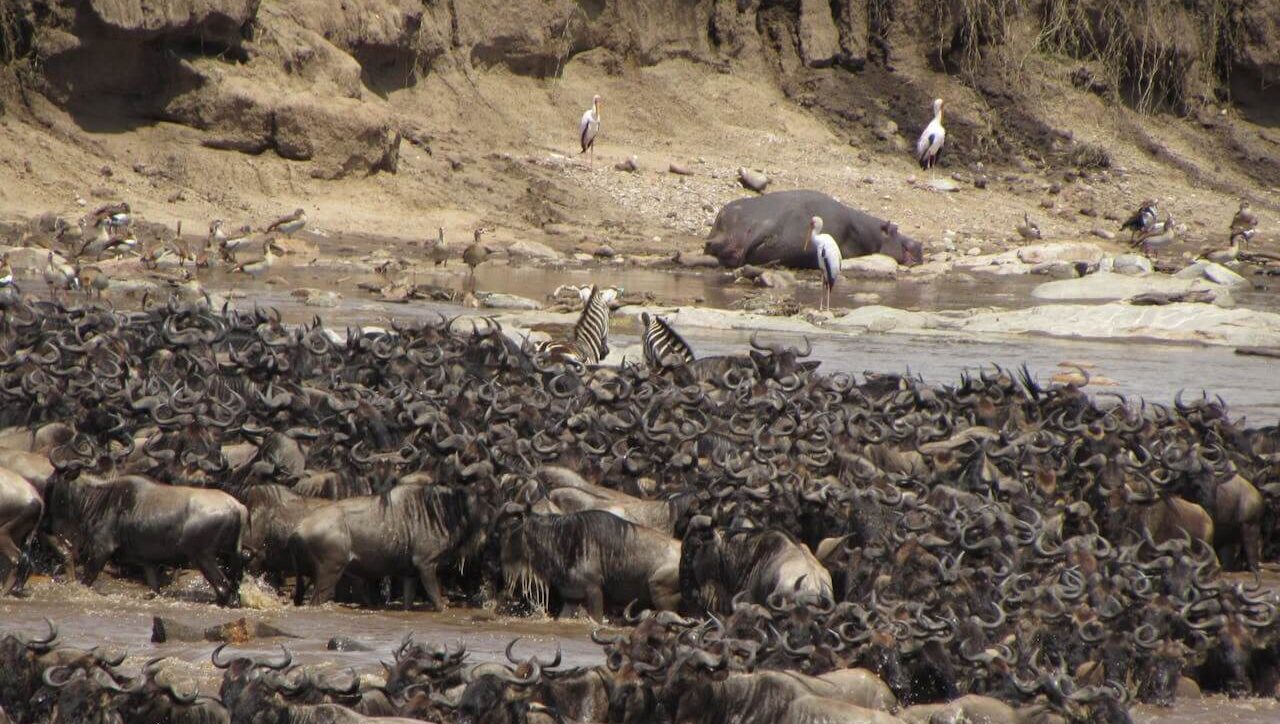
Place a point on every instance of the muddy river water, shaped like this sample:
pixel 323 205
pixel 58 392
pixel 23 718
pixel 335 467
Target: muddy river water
pixel 119 615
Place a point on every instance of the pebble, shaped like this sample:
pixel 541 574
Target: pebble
pixel 1046 203
pixel 980 182
pixel 974 251
pixel 631 165
pixel 1102 233
pixel 679 169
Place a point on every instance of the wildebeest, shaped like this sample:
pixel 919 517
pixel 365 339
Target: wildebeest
pixel 406 532
pixel 274 513
pixel 716 564
pixel 590 559
pixel 567 492
pixel 20 511
pixel 135 520
pixel 772 229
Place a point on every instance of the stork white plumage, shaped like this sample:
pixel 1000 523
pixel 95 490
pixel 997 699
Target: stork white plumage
pixel 589 128
pixel 828 252
pixel 929 147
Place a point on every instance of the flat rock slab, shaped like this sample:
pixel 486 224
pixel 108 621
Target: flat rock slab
pixel 1069 251
pixel 528 249
pixel 1105 286
pixel 1179 322
pixel 498 300
pixel 1213 272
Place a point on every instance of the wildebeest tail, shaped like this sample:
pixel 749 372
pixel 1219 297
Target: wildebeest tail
pixel 662 341
pixel 591 333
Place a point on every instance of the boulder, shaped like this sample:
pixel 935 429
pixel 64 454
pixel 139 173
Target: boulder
pixel 753 180
pixel 1112 286
pixel 1132 264
pixel 528 249
pixel 872 265
pixel 1069 251
pixel 819 39
pixel 499 300
pixel 1212 271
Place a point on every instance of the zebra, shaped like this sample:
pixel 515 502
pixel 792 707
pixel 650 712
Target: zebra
pixel 589 342
pixel 662 343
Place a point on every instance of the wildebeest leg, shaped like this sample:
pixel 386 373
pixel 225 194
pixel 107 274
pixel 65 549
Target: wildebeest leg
pixel 327 575
pixel 299 588
pixel 153 579
pixel 1251 539
pixel 568 609
pixel 207 563
pixel 430 585
pixel 9 555
pixel 408 590
pixel 20 579
pixel 93 565
pixel 595 602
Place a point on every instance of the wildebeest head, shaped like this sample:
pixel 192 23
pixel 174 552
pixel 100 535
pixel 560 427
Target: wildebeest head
pixel 782 363
pixel 86 697
pixel 430 665
pixel 1160 674
pixel 246 682
pixel 497 697
pixel 19 676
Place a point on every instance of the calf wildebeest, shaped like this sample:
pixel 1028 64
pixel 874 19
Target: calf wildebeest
pixel 145 523
pixel 20 511
pixel 406 533
pixel 592 558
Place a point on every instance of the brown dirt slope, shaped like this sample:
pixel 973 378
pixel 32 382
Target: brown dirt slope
pixel 393 117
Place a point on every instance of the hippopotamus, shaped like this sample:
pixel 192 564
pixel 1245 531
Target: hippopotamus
pixel 772 228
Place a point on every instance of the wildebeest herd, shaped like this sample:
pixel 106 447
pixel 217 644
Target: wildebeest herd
pixel 787 545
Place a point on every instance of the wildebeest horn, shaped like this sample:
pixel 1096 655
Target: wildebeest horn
pixel 48 676
pixel 45 643
pixel 606 640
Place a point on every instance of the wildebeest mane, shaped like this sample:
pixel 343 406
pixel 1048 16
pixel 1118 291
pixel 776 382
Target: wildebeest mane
pixel 745 554
pixel 92 502
pixel 433 507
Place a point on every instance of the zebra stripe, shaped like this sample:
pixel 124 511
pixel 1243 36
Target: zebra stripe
pixel 591 333
pixel 661 342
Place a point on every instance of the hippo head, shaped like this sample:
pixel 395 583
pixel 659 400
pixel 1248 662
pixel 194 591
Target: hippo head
pixel 904 249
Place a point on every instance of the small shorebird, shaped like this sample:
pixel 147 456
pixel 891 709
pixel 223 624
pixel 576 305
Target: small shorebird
pixel 589 128
pixel 258 266
pixel 929 146
pixel 439 252
pixel 1244 224
pixel 1142 220
pixel 291 224
pixel 58 275
pixel 828 257
pixel 1028 229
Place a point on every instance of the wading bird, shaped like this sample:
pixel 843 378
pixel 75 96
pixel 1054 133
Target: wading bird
pixel 929 147
pixel 475 254
pixel 439 252
pixel 828 252
pixel 589 128
pixel 1028 229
